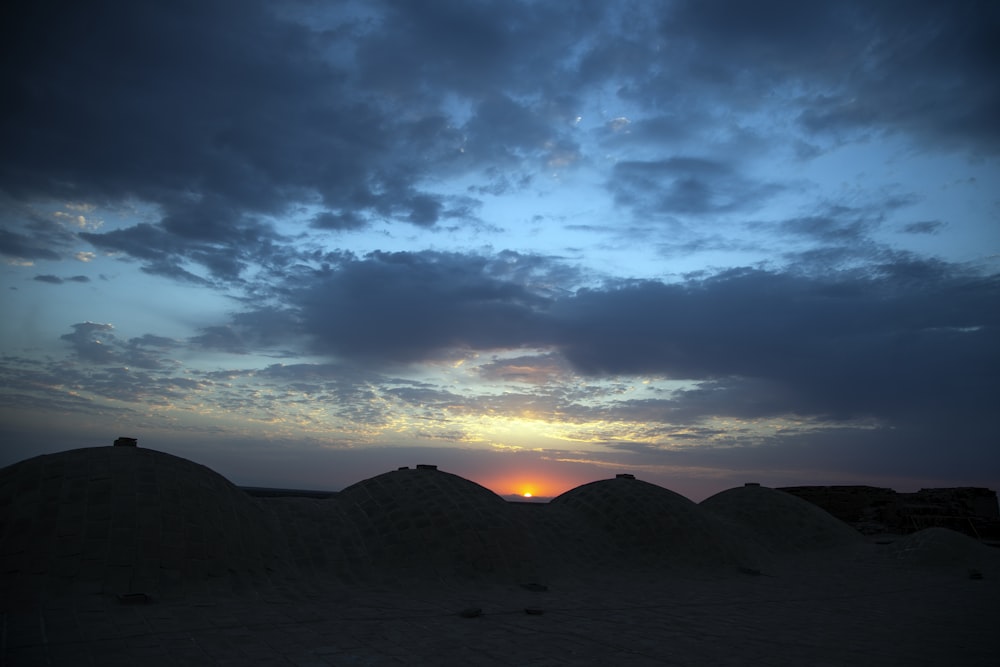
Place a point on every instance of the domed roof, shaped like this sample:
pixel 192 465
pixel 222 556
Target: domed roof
pixel 116 520
pixel 430 522
pixel 656 525
pixel 780 521
pixel 423 485
pixel 638 503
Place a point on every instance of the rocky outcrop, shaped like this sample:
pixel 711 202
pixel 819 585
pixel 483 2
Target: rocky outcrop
pixel 970 510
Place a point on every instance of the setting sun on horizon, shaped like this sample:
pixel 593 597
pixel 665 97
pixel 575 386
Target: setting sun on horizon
pixel 536 479
pixel 511 486
pixel 530 490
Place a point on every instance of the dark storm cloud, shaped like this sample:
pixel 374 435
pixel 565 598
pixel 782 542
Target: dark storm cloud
pixel 26 235
pixel 126 100
pixel 161 252
pixel 904 341
pixel 225 114
pixel 926 69
pixel 914 339
pixel 474 49
pixel 22 246
pixel 776 36
pixel 216 112
pixel 406 307
pixel 164 247
pixel 932 77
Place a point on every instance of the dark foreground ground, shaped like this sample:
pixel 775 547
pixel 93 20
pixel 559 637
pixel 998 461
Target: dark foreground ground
pixel 854 607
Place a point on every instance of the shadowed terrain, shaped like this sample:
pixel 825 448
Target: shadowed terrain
pixel 116 521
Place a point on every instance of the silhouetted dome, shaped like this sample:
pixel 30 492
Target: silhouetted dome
pixel 656 525
pixel 430 522
pixel 115 520
pixel 780 521
pixel 430 488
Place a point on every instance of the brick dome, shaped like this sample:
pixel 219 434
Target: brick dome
pixel 117 520
pixel 780 521
pixel 433 523
pixel 654 525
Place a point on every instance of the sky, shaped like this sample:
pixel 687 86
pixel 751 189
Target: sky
pixel 534 243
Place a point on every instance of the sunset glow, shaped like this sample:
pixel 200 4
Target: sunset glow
pixel 533 489
pixel 513 486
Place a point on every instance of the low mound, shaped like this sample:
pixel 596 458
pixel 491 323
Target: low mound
pixel 655 526
pixel 431 523
pixel 944 547
pixel 124 520
pixel 780 521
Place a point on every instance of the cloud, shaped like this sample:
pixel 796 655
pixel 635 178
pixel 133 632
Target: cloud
pixel 685 186
pixel 224 252
pixel 922 69
pixel 406 307
pixel 924 227
pixel 893 341
pixel 221 338
pixel 253 137
pixel 358 113
pixel 30 236
pixel 95 343
pixel 341 220
pixel 537 369
pixel 21 246
pixel 152 340
pixel 503 131
pixel 56 280
pixel 884 346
